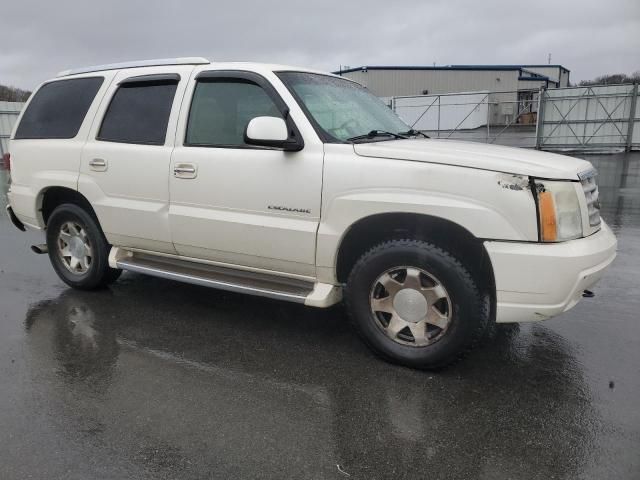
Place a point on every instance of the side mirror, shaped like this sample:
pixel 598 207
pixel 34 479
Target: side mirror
pixel 271 132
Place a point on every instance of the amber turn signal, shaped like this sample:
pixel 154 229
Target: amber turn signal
pixel 548 222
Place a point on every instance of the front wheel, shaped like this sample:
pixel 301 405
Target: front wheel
pixel 415 304
pixel 78 250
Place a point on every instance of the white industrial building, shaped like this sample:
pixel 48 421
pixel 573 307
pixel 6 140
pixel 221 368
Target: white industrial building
pixel 517 85
pixel 393 81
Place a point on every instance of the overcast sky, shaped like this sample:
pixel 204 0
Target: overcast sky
pixel 589 37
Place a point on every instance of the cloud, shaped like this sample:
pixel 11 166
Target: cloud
pixel 41 38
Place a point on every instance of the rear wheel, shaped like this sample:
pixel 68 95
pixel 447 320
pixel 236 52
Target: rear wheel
pixel 78 250
pixel 415 304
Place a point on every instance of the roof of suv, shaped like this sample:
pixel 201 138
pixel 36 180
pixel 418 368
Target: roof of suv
pixel 184 61
pixel 136 63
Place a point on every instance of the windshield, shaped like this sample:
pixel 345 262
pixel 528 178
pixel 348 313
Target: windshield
pixel 342 109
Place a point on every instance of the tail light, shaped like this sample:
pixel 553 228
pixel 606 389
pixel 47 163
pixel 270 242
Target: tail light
pixel 6 161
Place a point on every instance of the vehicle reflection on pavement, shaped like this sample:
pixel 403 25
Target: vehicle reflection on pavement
pixel 216 385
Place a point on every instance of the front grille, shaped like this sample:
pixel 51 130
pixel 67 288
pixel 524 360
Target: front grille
pixel 590 188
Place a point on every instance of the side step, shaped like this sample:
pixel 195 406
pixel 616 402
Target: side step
pixel 223 278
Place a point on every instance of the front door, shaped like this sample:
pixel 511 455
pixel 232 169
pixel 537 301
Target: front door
pixel 238 204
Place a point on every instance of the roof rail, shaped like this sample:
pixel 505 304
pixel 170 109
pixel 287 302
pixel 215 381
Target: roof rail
pixel 136 64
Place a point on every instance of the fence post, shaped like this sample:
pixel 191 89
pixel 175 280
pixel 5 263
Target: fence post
pixel 488 118
pixel 439 108
pixel 632 117
pixel 540 119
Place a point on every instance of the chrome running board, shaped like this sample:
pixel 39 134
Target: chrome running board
pixel 253 283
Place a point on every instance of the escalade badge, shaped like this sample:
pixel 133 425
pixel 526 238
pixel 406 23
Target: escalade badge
pixel 287 209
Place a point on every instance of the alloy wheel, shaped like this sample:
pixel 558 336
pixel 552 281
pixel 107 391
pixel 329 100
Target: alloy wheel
pixel 411 306
pixel 74 248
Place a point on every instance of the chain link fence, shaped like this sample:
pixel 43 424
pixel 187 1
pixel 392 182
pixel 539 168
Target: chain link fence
pixel 577 118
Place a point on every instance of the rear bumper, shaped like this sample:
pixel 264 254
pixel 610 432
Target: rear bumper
pixel 537 281
pixel 23 205
pixel 16 222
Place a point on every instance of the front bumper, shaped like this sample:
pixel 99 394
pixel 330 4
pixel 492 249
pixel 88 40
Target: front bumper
pixel 536 281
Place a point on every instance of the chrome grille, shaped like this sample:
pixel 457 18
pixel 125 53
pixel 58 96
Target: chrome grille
pixel 590 188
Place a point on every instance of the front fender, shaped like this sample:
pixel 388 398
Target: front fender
pixel 490 205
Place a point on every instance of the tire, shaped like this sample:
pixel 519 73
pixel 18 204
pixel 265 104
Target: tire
pixel 70 230
pixel 435 322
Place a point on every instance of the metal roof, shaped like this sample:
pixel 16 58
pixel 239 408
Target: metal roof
pixel 136 64
pixel 528 75
pixel 444 67
pixel 523 65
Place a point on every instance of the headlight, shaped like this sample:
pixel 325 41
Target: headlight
pixel 559 214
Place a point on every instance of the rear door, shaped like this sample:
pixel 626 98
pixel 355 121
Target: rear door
pixel 125 162
pixel 236 203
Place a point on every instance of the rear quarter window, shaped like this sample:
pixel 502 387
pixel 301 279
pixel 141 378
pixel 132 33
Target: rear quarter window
pixel 58 109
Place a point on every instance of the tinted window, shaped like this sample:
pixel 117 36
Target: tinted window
pixel 139 113
pixel 221 110
pixel 58 108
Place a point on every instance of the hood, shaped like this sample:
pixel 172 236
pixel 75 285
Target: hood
pixel 496 158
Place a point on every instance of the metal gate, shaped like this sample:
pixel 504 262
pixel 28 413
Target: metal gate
pixel 589 118
pixel 502 117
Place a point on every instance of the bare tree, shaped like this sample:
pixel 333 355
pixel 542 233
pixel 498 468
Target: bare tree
pixel 612 79
pixel 13 94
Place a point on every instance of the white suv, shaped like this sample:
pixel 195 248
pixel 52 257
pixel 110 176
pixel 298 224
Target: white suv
pixel 301 186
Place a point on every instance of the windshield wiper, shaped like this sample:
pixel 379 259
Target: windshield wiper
pixel 376 133
pixel 414 133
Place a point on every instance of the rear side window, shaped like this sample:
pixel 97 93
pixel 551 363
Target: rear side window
pixel 139 113
pixel 58 109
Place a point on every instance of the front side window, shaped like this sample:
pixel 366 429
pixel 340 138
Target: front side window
pixel 58 109
pixel 221 109
pixel 139 113
pixel 340 108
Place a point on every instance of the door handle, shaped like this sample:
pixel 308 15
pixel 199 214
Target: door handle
pixel 98 164
pixel 185 170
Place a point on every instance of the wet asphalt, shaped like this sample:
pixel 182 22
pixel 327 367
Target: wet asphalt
pixel 152 379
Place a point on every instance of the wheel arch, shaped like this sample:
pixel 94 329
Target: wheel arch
pixel 50 198
pixel 450 236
